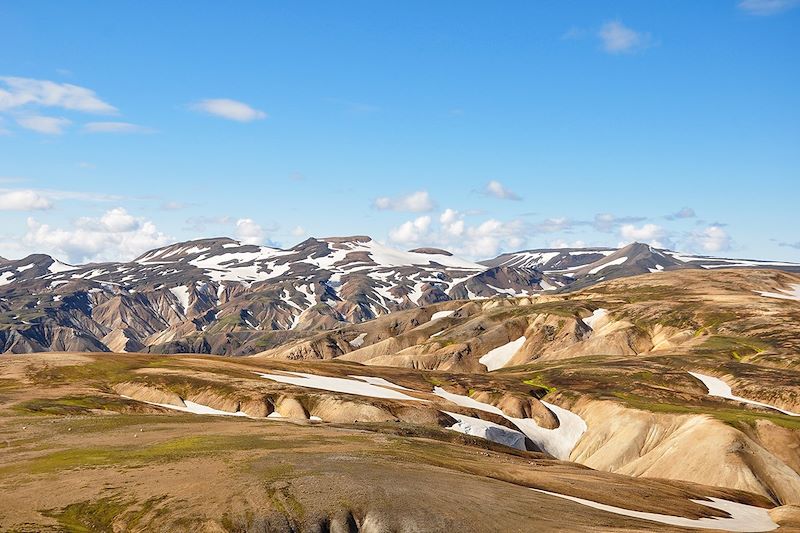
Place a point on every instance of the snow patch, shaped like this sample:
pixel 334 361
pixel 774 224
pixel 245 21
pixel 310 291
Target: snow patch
pixel 358 341
pixel 597 314
pixel 380 382
pixel 791 294
pixel 742 517
pixel 717 387
pixel 546 286
pixel 347 386
pixel 182 294
pixel 557 442
pixel 192 407
pixel 500 356
pixel 441 314
pixel 617 261
pixel 484 429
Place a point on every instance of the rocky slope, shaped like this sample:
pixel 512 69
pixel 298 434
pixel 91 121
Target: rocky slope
pixel 599 394
pixel 222 297
pixel 720 312
pixel 118 442
pixel 619 354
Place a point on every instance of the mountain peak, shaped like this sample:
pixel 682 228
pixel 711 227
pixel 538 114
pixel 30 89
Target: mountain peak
pixel 174 252
pixel 431 251
pixel 348 239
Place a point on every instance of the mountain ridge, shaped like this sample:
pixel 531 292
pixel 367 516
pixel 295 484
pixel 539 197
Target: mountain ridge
pixel 219 295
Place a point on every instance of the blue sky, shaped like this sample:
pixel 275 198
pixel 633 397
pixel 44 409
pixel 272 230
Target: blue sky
pixel 474 126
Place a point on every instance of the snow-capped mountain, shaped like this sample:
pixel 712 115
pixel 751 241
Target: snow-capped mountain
pixel 221 296
pixel 575 268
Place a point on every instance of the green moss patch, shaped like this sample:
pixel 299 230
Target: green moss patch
pixel 167 451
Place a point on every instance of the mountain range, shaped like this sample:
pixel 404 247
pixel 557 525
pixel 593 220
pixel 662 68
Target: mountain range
pixel 220 296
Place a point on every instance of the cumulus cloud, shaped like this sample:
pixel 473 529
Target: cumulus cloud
pixel 712 239
pixel 489 237
pixel 498 190
pixel 18 92
pixel 411 231
pixel 767 7
pixel 43 124
pixel 416 202
pixel 248 231
pixel 617 38
pixel 652 234
pixel 298 231
pixel 452 222
pixel 23 200
pixel 115 127
pixel 118 220
pixel 228 109
pixel 451 231
pixel 116 235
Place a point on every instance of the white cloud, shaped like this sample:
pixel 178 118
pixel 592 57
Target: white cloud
pixel 42 124
pixel 498 190
pixel 652 234
pixel 767 7
pixel 490 237
pixel 412 231
pixel 229 109
pixel 248 231
pixel 116 235
pixel 115 127
pixel 39 199
pixel 416 202
pixel 712 239
pixel 298 231
pixel 618 38
pixel 560 243
pixel 452 222
pixel 23 200
pixel 19 92
pixel 117 220
pixel 452 232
